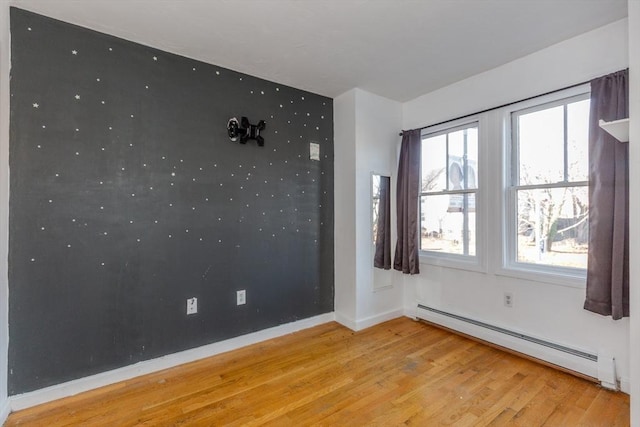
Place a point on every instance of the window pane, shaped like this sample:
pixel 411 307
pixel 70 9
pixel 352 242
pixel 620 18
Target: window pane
pixel 578 140
pixel 541 146
pixel 463 156
pixel 434 163
pixel 553 226
pixel 443 221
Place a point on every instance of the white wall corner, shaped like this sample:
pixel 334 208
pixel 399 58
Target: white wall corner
pixel 5 66
pixel 634 207
pixel 59 391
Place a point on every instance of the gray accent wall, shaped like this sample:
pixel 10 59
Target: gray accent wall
pixel 127 197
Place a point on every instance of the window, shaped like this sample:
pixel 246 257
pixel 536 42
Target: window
pixel 548 188
pixel 449 182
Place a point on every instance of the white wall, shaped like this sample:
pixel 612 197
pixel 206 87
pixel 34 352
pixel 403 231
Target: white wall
pixel 634 209
pixel 378 122
pixel 4 202
pixel 366 134
pixel 545 310
pixel 344 136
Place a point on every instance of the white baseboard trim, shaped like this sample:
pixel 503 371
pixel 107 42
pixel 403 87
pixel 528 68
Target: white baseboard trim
pixel 370 321
pixel 58 391
pixel 367 322
pixel 5 410
pixel 345 321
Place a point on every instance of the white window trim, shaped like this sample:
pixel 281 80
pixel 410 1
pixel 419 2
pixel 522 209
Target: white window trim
pixel 564 276
pixel 475 262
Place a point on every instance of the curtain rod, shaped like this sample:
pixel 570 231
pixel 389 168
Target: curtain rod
pixel 504 105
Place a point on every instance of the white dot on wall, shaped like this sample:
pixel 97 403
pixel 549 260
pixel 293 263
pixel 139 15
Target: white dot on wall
pixel 68 246
pixel 206 199
pixel 131 222
pixel 102 264
pixel 186 230
pixel 110 128
pixel 44 127
pixel 33 260
pixel 77 153
pixel 101 208
pixel 73 220
pixel 172 184
pixel 193 208
pixel 220 241
pixel 317 128
pixel 50 201
pixel 155 221
pixel 110 49
pixel 57 174
pixel 42 228
pixel 261 92
pixel 132 116
pixel 218 73
pixel 138 240
pixel 38 146
pixel 219 219
pixel 28 28
pixel 77 130
pixel 173 174
pixel 146 86
pixel 170 204
pixel 105 233
pixel 194 68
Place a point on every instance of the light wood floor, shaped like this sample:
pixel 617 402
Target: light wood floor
pixel 401 372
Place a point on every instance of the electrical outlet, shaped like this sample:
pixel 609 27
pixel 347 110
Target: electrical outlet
pixel 241 297
pixel 508 299
pixel 192 305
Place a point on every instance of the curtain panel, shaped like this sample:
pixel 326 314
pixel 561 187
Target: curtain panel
pixel 406 257
pixel 608 257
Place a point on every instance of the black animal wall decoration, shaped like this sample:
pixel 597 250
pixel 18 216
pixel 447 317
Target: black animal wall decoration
pixel 245 130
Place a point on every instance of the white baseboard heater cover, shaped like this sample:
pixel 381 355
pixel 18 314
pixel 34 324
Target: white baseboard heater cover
pixel 597 366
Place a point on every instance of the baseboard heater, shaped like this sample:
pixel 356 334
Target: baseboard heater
pixel 600 367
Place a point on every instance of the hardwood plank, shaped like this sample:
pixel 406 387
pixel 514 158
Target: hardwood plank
pixel 398 372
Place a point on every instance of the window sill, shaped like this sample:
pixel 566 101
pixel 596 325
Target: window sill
pixel 459 262
pixel 577 279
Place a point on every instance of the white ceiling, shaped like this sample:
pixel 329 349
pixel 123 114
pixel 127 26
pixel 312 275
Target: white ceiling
pixel 399 49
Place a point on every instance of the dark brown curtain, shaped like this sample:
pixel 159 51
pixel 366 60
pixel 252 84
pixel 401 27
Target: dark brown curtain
pixel 382 257
pixel 408 189
pixel 608 258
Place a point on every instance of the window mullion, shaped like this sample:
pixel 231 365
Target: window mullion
pixel 566 144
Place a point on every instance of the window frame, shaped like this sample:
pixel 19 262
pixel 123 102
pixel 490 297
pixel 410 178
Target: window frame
pixel 510 266
pixel 475 262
